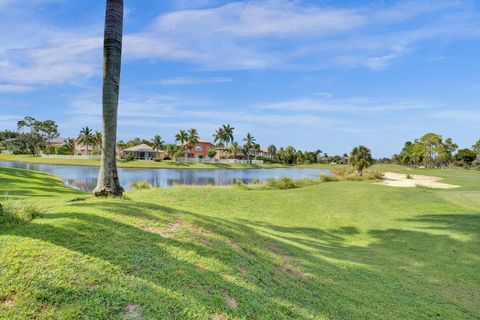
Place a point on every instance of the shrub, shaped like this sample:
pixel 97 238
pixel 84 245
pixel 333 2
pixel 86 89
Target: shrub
pixel 238 183
pixel 129 157
pixel 141 185
pixel 349 174
pixel 16 213
pixel 180 153
pixel 48 149
pixel 157 160
pixel 376 174
pixel 343 171
pixel 409 176
pixel 326 178
pixel 281 184
pixel 212 153
pixel 62 150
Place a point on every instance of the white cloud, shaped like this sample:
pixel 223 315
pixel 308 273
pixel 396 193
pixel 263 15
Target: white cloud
pixel 261 19
pixel 165 110
pixel 358 105
pixel 63 58
pixel 382 62
pixel 183 81
pixel 13 88
pixel 458 115
pixel 280 34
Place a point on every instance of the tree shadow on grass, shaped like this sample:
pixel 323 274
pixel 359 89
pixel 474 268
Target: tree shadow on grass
pixel 271 272
pixel 16 183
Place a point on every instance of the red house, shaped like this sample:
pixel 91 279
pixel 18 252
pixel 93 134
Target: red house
pixel 200 149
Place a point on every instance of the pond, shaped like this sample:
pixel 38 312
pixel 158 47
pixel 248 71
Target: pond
pixel 85 178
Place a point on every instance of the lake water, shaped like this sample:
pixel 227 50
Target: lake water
pixel 85 178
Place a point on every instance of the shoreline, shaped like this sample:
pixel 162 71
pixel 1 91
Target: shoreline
pixel 148 164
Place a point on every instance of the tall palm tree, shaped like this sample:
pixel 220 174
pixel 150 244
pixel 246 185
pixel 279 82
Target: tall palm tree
pixel 70 145
pixel 272 150
pixel 108 183
pixel 227 133
pixel 256 149
pixel 219 136
pixel 193 137
pixel 182 137
pixel 360 158
pixel 97 139
pixel 157 143
pixel 249 144
pixel 86 137
pixel 235 149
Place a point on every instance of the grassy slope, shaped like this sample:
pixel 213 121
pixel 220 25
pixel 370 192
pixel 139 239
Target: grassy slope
pixel 138 163
pixel 333 250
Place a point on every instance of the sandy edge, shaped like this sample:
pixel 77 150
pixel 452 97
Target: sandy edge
pixel 392 179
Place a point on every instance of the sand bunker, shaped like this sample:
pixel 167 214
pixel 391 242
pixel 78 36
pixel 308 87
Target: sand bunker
pixel 401 180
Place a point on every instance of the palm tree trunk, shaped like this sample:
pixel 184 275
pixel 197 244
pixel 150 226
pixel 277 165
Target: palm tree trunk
pixel 108 182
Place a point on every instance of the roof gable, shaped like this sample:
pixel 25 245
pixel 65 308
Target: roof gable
pixel 141 147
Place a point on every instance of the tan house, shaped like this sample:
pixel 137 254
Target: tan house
pixel 81 149
pixel 143 152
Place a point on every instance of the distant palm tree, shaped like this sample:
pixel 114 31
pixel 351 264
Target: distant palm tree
pixel 235 149
pixel 272 150
pixel 171 150
pixel 219 136
pixel 219 139
pixel 122 145
pixel 182 137
pixel 193 138
pixel 227 133
pixel 97 139
pixel 360 158
pixel 249 144
pixel 86 137
pixel 70 145
pixel 157 143
pixel 256 149
pixel 108 183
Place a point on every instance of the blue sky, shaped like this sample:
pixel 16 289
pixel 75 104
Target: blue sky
pixel 314 74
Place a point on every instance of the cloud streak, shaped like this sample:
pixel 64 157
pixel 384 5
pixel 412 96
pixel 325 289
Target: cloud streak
pixel 188 81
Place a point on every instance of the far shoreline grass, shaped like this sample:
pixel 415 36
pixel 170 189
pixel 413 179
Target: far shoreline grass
pixel 149 164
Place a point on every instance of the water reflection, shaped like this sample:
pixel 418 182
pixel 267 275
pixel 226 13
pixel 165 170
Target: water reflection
pixel 85 178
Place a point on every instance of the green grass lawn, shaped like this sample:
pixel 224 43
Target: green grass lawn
pixel 339 250
pixel 141 163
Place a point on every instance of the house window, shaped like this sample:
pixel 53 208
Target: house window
pixel 198 148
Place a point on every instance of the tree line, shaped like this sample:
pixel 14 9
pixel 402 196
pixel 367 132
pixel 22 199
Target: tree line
pixel 432 151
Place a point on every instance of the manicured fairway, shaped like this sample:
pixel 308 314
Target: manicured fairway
pixel 338 250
